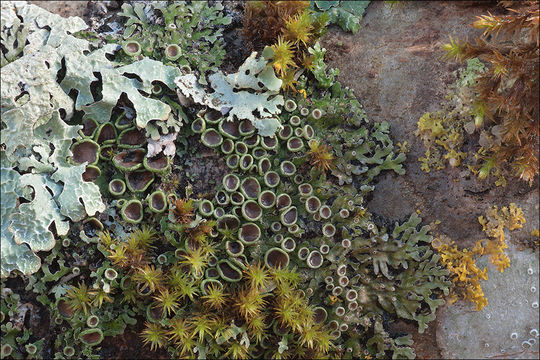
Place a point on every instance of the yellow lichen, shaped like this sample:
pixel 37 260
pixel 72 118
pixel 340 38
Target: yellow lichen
pixel 403 147
pixel 508 217
pixel 536 237
pixel 442 135
pixel 462 263
pixel 466 275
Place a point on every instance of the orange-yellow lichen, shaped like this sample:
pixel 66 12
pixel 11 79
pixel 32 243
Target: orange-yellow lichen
pixel 462 263
pixel 467 276
pixel 508 217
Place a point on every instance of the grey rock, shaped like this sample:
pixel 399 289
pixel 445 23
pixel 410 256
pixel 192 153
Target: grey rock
pixel 508 326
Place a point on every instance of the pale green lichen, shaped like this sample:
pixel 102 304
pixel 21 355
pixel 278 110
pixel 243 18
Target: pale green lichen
pixel 59 49
pixel 346 14
pixel 36 140
pixel 29 106
pixel 240 94
pixel 14 256
pixel 13 41
pixel 114 84
pixel 324 79
pixel 195 29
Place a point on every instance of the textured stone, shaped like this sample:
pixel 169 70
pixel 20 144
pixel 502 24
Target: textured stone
pixel 508 320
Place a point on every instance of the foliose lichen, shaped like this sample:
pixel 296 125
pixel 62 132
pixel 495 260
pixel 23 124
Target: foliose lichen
pixel 462 263
pixel 346 14
pixel 252 94
pixel 180 34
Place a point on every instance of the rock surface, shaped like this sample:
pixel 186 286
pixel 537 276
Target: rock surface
pixel 65 8
pixel 508 326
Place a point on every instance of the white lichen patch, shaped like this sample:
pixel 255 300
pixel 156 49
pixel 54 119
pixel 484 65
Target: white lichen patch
pixel 251 93
pixel 165 144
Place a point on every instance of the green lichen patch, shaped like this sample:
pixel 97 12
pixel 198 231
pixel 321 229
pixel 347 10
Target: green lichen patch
pixel 13 41
pixel 346 14
pixel 447 133
pixel 195 29
pixel 356 270
pixel 115 83
pixel 324 79
pixel 36 144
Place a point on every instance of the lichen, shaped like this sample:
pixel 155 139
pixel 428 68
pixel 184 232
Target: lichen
pixel 346 14
pixel 447 132
pixel 443 139
pixel 196 28
pixel 325 79
pixel 251 93
pixel 35 108
pixel 462 263
pixel 14 256
pixel 13 41
pixel 36 139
